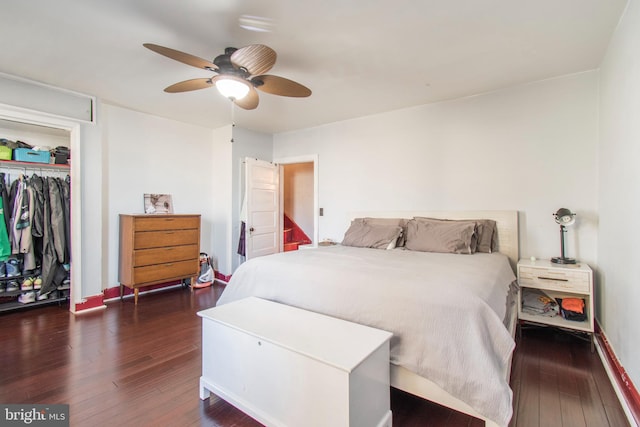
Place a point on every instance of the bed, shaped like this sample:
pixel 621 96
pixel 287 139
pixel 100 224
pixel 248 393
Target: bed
pixel 450 314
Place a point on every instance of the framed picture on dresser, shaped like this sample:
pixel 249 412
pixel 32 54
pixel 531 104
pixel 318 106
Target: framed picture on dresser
pixel 158 204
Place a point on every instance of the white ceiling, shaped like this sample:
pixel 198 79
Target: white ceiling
pixel 359 57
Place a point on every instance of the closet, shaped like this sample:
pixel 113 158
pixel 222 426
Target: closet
pixel 35 252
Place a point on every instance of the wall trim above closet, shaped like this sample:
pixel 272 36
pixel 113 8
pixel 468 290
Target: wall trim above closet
pixel 18 114
pixel 46 99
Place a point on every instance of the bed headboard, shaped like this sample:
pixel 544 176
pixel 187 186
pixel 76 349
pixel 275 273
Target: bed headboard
pixel 506 222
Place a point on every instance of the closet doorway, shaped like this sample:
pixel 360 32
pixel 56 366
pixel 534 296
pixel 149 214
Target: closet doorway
pixel 298 202
pixel 58 132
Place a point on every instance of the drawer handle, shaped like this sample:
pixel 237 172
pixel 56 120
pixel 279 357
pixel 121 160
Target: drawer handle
pixel 552 278
pixel 169 265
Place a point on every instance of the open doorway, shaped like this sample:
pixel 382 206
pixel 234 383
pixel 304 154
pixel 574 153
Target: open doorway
pixel 298 202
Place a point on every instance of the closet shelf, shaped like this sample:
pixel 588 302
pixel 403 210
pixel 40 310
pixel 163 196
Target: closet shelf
pixel 13 164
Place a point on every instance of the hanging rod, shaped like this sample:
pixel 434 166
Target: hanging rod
pixel 44 169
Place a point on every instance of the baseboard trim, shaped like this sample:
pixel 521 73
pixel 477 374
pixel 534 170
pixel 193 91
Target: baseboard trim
pixel 624 387
pixel 222 278
pixel 89 303
pixel 90 310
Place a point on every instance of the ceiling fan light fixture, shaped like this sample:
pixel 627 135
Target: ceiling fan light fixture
pixel 232 88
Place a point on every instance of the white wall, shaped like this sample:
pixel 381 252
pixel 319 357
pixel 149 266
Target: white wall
pixel 149 154
pixel 619 207
pixel 221 167
pixel 531 148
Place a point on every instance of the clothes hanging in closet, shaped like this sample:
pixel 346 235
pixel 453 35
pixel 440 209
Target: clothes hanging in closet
pixel 39 226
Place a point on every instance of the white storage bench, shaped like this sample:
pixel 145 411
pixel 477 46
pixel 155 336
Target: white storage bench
pixel 285 366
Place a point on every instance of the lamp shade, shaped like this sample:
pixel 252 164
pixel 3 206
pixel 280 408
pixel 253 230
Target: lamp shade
pixel 233 88
pixel 564 217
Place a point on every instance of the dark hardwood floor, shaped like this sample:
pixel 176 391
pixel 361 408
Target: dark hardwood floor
pixel 139 366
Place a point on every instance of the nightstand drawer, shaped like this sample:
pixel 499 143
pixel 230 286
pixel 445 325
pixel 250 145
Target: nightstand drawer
pixel 556 279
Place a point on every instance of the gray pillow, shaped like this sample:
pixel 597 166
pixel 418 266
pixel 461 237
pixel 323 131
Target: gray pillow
pixel 475 238
pixel 401 222
pixel 379 236
pixel 440 236
pixel 487 236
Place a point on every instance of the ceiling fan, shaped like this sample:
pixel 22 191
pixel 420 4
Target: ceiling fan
pixel 239 73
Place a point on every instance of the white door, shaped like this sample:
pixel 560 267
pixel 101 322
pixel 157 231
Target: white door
pixel 262 193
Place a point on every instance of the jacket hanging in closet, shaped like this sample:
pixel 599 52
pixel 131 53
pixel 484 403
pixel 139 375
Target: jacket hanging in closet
pixel 39 227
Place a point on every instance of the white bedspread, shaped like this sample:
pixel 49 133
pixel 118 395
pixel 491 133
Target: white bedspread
pixel 445 310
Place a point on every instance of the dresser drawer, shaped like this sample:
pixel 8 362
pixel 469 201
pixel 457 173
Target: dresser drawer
pixel 158 239
pixel 555 279
pixel 153 223
pixel 144 257
pixel 163 272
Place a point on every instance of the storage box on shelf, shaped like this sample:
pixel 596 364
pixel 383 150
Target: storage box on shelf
pixel 6 153
pixel 558 281
pixel 32 156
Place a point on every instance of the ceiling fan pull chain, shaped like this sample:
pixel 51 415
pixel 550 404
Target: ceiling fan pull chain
pixel 233 120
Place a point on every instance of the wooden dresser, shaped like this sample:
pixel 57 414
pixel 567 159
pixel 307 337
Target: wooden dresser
pixel 158 249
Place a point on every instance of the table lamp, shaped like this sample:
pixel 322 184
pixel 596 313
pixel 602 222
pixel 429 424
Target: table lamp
pixel 564 217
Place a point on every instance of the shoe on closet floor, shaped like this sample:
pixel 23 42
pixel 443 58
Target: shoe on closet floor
pixel 12 285
pixel 27 297
pixel 41 297
pixel 37 282
pixel 27 284
pixel 12 266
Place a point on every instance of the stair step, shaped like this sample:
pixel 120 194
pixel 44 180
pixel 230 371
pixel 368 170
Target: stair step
pixel 291 246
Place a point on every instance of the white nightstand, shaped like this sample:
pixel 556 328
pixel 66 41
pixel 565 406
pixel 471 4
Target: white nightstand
pixel 558 281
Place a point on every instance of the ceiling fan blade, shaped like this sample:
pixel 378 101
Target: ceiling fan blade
pixel 280 86
pixel 249 102
pixel 255 58
pixel 185 58
pixel 187 85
